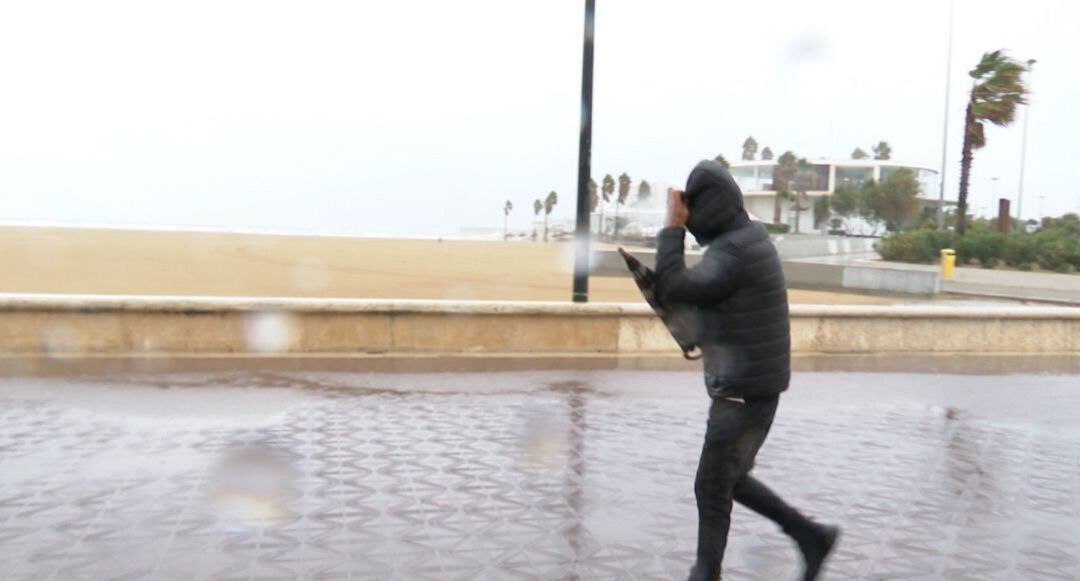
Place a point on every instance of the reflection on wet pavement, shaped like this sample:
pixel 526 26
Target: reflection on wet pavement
pixel 559 476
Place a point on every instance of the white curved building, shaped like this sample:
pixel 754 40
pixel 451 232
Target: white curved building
pixel 755 178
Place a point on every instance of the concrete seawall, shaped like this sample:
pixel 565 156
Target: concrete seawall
pixel 123 326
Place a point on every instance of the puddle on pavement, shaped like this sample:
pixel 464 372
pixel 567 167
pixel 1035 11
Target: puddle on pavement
pixel 551 475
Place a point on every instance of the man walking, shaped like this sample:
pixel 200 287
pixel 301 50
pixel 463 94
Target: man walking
pixel 737 302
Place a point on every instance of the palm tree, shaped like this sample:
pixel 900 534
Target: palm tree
pixel 783 173
pixel 549 204
pixel 608 188
pixel 644 191
pixel 506 218
pixel 766 154
pixel 720 159
pixel 624 191
pixel 594 200
pixel 806 178
pixel 998 88
pixel 882 150
pixel 749 149
pixel 537 206
pixel 859 154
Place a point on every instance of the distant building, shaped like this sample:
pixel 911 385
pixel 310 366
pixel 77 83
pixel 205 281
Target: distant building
pixel 640 219
pixel 755 178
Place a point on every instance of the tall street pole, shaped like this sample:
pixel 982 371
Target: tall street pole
pixel 582 234
pixel 1023 150
pixel 945 125
pixel 993 192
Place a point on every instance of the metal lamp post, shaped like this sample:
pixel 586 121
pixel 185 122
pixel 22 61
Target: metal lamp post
pixel 945 123
pixel 581 233
pixel 1023 149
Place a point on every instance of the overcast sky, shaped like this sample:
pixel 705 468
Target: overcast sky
pixel 424 116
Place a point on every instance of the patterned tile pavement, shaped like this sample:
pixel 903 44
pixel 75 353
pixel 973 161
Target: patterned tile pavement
pixel 335 476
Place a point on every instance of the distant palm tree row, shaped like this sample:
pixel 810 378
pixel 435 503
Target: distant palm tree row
pixel 794 176
pixel 750 148
pixel 998 88
pixel 791 173
pixel 547 205
pixel 606 192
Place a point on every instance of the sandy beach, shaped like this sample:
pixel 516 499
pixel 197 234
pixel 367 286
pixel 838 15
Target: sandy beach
pixel 153 262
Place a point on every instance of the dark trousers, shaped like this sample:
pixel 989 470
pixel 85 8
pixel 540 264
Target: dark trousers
pixel 735 432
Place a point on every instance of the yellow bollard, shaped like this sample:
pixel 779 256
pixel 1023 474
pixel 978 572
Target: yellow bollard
pixel 948 263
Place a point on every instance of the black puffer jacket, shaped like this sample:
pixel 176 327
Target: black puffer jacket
pixel 735 295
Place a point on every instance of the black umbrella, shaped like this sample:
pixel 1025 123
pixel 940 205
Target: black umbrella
pixel 677 326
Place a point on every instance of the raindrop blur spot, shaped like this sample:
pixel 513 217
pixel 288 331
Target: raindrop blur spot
pixel 60 340
pixel 566 254
pixel 271 331
pixel 808 46
pixel 544 438
pixel 250 487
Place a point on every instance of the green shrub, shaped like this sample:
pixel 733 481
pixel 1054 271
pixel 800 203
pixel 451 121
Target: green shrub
pixel 1057 250
pixel 1069 224
pixel 1056 246
pixel 776 228
pixel 915 245
pixel 1019 251
pixel 986 246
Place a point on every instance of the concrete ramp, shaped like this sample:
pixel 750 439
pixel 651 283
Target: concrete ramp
pixel 815 262
pixel 861 273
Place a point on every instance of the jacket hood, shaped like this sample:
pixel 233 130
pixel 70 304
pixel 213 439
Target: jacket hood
pixel 715 202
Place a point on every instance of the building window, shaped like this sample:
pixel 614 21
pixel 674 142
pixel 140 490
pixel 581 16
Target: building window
pixel 928 183
pixel 854 177
pixel 812 178
pixel 764 178
pixel 744 177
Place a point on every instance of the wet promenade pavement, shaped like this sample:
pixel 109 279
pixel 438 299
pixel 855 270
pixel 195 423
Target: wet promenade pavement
pixel 531 475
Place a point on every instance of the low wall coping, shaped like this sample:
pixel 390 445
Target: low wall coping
pixel 147 303
pixel 76 302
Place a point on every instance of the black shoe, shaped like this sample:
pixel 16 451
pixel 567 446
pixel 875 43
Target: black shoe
pixel 701 572
pixel 816 549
